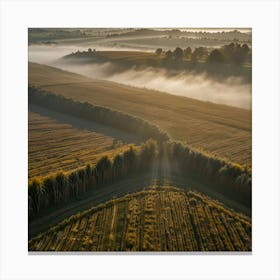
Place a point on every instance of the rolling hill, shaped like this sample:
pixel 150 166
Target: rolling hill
pixel 221 130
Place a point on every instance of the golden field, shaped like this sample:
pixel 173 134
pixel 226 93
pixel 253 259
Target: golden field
pixel 163 219
pixel 56 143
pixel 221 130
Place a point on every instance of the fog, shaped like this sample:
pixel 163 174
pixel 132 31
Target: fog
pixel 230 91
pixel 49 54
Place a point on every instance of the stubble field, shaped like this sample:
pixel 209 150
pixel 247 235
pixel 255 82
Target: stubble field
pixel 221 130
pixel 58 142
pixel 166 219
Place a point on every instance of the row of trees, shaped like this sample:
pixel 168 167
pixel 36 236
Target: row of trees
pixel 62 188
pixel 226 178
pixel 123 121
pixel 233 53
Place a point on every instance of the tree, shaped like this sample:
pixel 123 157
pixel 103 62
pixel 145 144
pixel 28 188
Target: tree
pixel 37 196
pixel 48 185
pixel 187 52
pixel 117 167
pixel 129 158
pixel 169 54
pixel 73 184
pixel 199 54
pixel 245 48
pixel 103 168
pixel 149 152
pixel 240 53
pixel 89 177
pixel 82 180
pixel 216 56
pixel 178 53
pixel 60 187
pixel 159 51
pixel 235 53
pixel 89 50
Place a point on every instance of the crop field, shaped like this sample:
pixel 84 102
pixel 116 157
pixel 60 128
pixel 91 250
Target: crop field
pixel 157 219
pixel 58 143
pixel 221 130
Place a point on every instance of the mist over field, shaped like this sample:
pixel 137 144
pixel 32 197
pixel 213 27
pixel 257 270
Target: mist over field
pixel 230 91
pixel 129 127
pixel 49 54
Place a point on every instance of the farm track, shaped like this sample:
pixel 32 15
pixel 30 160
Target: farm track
pixel 159 177
pixel 221 130
pixel 165 219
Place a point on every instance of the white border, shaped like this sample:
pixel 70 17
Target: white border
pixel 17 16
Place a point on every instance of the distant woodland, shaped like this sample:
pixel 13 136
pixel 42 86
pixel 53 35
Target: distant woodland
pixel 233 59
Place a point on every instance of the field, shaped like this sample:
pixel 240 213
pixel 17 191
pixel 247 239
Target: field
pixel 221 130
pixel 58 142
pixel 140 140
pixel 162 219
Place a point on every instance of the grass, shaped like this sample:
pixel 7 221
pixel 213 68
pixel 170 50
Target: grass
pixel 161 219
pixel 56 143
pixel 221 130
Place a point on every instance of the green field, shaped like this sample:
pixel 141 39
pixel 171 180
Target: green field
pixel 221 130
pixel 162 219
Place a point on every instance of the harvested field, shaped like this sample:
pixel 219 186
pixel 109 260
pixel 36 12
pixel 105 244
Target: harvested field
pixel 222 130
pixel 59 142
pixel 159 219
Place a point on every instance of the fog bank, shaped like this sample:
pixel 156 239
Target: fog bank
pixel 230 91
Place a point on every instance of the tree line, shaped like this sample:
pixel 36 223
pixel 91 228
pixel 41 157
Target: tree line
pixel 62 188
pixel 227 60
pixel 90 112
pixel 233 53
pixel 229 179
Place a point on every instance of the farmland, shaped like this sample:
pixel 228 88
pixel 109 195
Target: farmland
pixel 221 130
pixel 139 140
pixel 157 219
pixel 58 142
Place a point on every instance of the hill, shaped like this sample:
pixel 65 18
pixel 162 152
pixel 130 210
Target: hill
pixel 222 130
pixel 158 219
